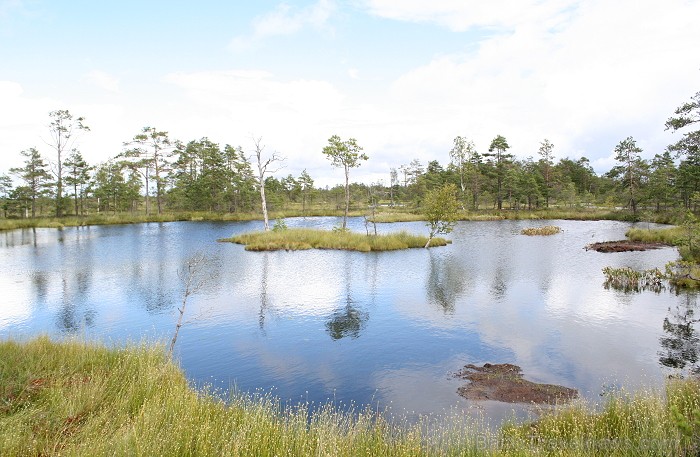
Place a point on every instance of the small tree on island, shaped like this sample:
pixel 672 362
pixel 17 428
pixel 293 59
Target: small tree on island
pixel 346 154
pixel 441 208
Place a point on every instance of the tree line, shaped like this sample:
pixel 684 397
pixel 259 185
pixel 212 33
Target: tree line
pixel 155 173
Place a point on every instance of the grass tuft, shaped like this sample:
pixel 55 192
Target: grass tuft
pixel 542 231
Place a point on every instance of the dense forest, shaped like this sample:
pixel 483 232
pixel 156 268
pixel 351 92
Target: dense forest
pixel 155 173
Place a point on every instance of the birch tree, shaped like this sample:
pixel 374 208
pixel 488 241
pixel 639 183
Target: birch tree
pixel 193 276
pixel 264 169
pixel 441 209
pixel 460 157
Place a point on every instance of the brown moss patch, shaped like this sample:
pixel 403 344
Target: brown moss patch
pixel 504 382
pixel 623 246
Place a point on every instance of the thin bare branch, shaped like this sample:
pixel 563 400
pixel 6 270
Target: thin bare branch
pixel 194 275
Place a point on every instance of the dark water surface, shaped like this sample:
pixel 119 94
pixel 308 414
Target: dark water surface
pixel 370 328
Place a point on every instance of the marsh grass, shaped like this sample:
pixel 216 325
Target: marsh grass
pixel 74 398
pixel 669 236
pixel 83 399
pixel 299 239
pixel 390 217
pixel 624 426
pixel 545 230
pixel 129 218
pixel 383 214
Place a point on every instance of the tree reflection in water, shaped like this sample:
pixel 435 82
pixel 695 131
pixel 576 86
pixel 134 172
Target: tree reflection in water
pixel 347 322
pixel 350 320
pixel 445 282
pixel 681 344
pixel 264 300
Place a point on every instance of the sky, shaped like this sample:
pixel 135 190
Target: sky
pixel 402 77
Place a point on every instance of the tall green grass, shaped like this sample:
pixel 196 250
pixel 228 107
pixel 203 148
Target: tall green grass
pixel 669 236
pixel 75 398
pixel 299 239
pixel 643 424
pixel 83 399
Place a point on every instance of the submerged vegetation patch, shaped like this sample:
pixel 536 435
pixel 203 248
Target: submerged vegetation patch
pixel 504 382
pixel 545 230
pixel 623 246
pixel 299 239
pixel 679 274
pixel 631 280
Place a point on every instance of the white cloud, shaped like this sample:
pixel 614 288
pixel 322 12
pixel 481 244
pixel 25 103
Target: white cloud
pixel 8 7
pixel 584 75
pixel 293 117
pixel 19 129
pixel 103 80
pixel 285 20
pixel 24 123
pixel 10 90
pixel 461 15
pixel 616 68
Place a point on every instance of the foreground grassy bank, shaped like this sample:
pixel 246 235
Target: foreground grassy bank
pixel 81 399
pixel 299 239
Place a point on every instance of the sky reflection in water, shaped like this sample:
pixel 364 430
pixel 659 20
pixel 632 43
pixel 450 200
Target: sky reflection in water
pixel 385 328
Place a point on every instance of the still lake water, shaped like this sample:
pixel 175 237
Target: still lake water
pixel 383 328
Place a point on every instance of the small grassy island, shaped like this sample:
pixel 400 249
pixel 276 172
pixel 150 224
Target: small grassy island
pixel 299 239
pixel 545 230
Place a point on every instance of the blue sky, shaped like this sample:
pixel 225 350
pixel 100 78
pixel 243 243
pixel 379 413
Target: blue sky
pixel 404 77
